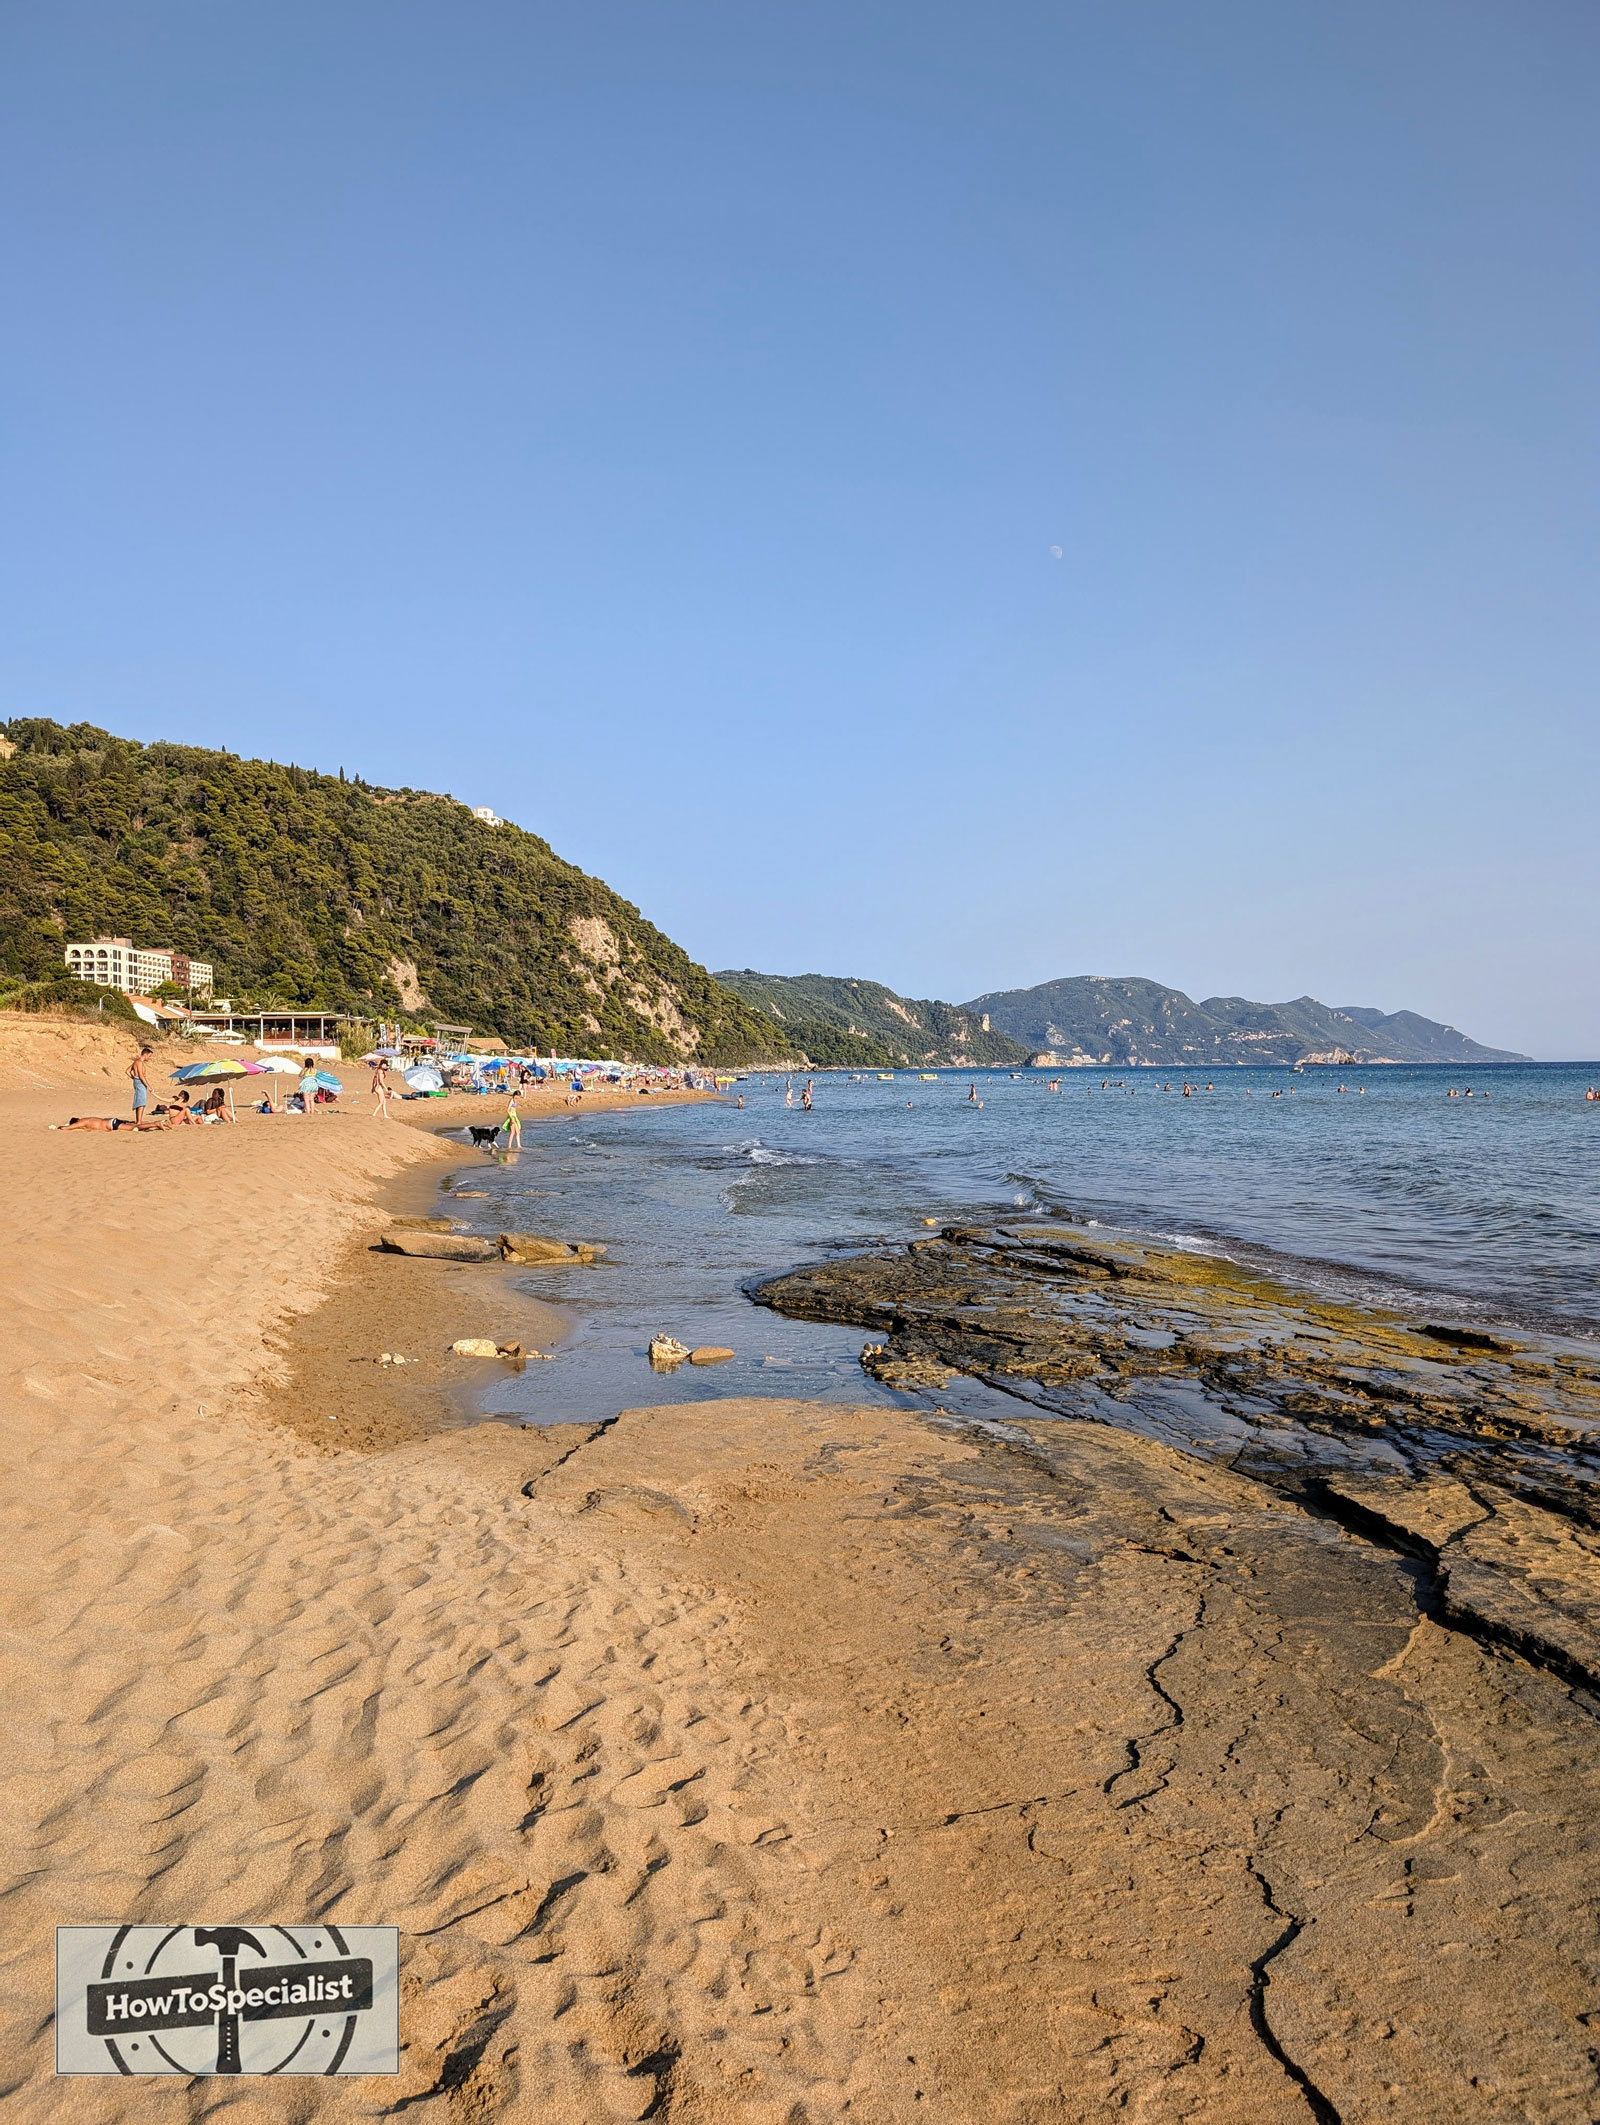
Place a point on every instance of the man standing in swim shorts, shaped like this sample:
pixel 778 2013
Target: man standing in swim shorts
pixel 141 1089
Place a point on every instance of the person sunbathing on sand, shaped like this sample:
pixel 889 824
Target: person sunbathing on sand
pixel 98 1121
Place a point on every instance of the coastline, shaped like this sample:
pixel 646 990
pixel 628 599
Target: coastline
pixel 746 1759
pixel 336 1395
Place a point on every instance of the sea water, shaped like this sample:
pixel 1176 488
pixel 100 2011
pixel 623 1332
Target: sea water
pixel 1387 1192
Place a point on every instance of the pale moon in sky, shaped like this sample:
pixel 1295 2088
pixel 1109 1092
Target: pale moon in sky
pixel 1055 553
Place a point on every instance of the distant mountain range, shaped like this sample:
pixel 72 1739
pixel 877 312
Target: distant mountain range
pixel 1087 1019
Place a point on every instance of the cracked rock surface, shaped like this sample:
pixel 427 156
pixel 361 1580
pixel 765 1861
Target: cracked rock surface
pixel 1479 1454
pixel 1121 1785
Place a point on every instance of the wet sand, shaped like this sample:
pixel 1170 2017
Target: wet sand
pixel 743 1761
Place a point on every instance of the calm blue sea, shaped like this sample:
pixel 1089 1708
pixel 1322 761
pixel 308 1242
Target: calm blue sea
pixel 1387 1192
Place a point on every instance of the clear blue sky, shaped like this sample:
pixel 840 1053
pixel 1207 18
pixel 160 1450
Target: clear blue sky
pixel 657 421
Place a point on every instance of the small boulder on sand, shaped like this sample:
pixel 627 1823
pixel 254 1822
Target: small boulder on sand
pixel 710 1354
pixel 424 1224
pixel 440 1246
pixel 485 1347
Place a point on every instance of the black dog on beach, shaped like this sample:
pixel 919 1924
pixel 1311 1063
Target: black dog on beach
pixel 483 1138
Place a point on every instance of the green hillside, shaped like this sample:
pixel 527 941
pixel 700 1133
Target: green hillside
pixel 304 888
pixel 860 1025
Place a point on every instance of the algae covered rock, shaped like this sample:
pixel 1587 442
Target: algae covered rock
pixel 903 1371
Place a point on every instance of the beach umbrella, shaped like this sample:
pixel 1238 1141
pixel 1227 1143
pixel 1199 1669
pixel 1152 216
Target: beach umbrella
pixel 423 1079
pixel 196 1073
pixel 382 1055
pixel 325 1081
pixel 200 1073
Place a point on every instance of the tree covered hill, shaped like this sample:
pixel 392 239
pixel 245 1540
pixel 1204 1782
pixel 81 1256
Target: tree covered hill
pixel 306 888
pixel 860 1025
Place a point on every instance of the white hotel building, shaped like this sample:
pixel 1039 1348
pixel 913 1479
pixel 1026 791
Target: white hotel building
pixel 117 963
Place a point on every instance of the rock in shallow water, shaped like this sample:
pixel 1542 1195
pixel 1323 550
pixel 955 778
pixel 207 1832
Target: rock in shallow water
pixel 536 1247
pixel 902 1372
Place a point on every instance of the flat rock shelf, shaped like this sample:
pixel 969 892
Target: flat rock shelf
pixel 1476 1453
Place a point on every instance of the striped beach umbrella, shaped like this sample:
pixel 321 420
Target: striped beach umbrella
pixel 200 1073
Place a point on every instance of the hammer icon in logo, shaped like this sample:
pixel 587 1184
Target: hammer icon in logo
pixel 227 1940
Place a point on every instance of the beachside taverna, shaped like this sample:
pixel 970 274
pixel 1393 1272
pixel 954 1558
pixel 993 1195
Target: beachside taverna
pixel 118 963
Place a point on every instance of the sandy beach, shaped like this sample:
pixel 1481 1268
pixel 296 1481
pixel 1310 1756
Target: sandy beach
pixel 748 1761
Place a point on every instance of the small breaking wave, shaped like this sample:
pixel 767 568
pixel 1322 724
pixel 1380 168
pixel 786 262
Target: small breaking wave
pixel 760 1154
